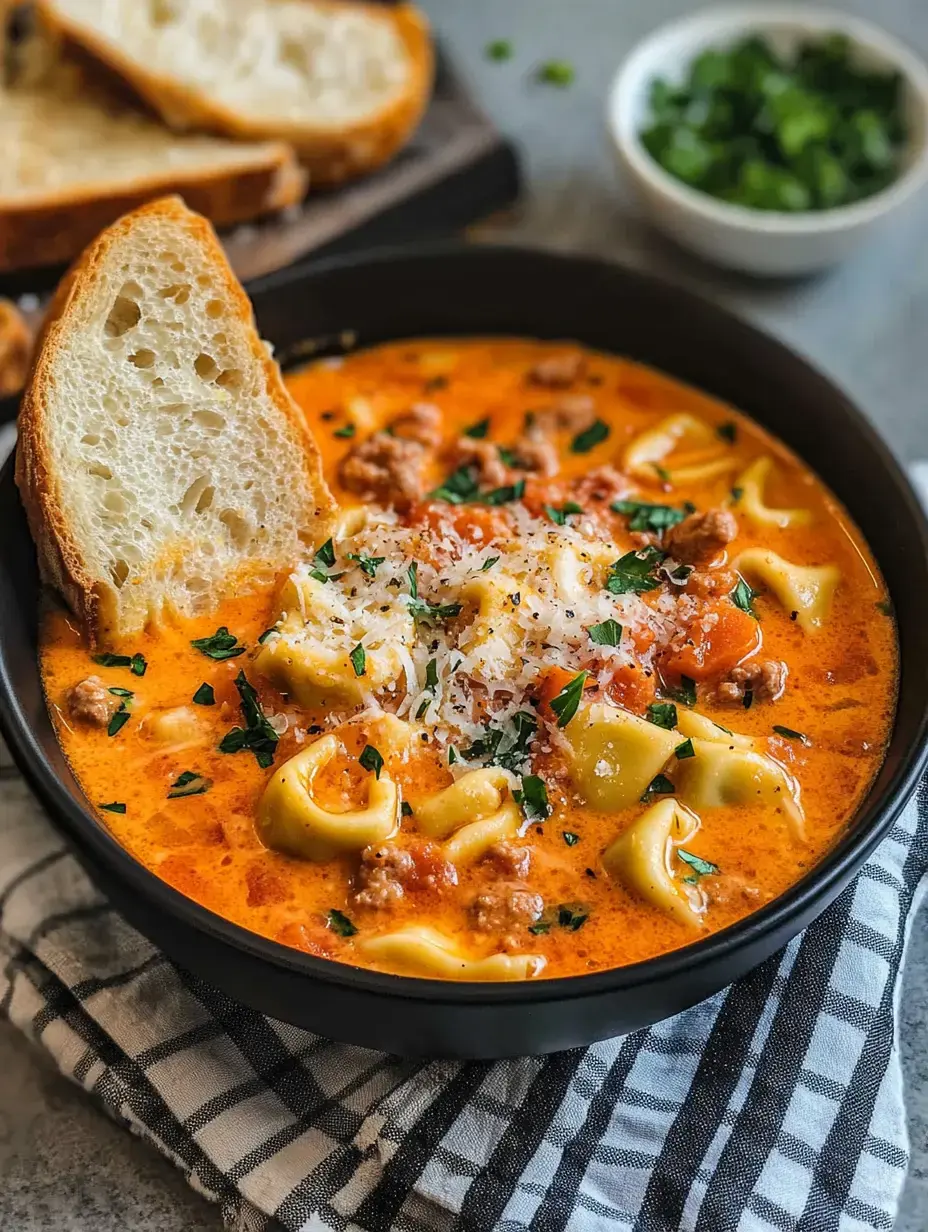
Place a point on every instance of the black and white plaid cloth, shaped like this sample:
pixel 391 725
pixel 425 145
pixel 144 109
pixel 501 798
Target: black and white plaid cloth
pixel 776 1105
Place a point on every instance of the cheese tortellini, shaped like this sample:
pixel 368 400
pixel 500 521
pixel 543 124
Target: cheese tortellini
pixel 290 820
pixel 615 755
pixel 692 723
pixel 421 950
pixel 309 654
pixel 472 814
pixel 475 839
pixel 682 433
pixel 721 773
pixel 751 502
pixel 641 858
pixel 476 795
pixel 807 590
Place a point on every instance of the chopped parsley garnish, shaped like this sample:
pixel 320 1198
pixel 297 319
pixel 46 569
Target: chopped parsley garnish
pixel 205 696
pixel 590 437
pixel 189 784
pixel 743 596
pixel 319 575
pixel 118 720
pixel 556 73
pixel 367 564
pixel 222 645
pixel 339 923
pixel 748 699
pixel 508 457
pixel 489 563
pixel 136 663
pixel 685 692
pixel 532 798
pixel 431 674
pixel 452 755
pixel 115 806
pixel 421 609
pixel 572 916
pixel 559 516
pixel 700 867
pixel 567 701
pixel 257 735
pixel 478 431
pixel 265 635
pixel 347 432
pixel 460 487
pixel 358 659
pixel 663 714
pixel 406 809
pixel 644 516
pixel 662 472
pixel 607 633
pixel 660 785
pixel 736 494
pixel 371 759
pixel 422 707
pixel 727 432
pixel 568 915
pixel 789 734
pixel 570 838
pixel 507 746
pixel 118 692
pixel 685 750
pixel 499 49
pixel 681 573
pixel 505 496
pixel 635 572
pixel 326 554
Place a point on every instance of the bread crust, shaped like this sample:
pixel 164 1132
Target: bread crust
pixel 333 155
pixel 54 228
pixel 61 564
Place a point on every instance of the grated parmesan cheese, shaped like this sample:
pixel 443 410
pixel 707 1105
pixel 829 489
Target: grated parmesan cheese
pixel 528 610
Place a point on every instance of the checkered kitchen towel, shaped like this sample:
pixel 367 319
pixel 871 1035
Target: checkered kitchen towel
pixel 777 1104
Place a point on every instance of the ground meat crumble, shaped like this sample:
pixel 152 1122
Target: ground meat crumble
pixel 701 536
pixel 765 681
pixel 89 701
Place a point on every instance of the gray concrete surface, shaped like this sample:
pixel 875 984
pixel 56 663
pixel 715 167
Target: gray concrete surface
pixel 63 1166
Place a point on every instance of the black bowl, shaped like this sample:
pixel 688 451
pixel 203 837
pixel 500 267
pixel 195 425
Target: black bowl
pixel 463 290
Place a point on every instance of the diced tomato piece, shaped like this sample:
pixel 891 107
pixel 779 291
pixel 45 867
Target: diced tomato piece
pixel 554 680
pixel 311 938
pixel 632 687
pixel 480 525
pixel 714 647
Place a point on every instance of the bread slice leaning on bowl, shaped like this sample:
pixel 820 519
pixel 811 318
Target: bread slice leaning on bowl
pixel 161 461
pixel 345 83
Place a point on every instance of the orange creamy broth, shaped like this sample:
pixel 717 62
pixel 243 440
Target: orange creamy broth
pixel 840 692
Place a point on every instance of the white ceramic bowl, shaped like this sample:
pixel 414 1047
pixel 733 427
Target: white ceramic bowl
pixel 758 241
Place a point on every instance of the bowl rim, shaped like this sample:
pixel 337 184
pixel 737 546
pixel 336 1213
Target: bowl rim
pixel 866 829
pixel 732 18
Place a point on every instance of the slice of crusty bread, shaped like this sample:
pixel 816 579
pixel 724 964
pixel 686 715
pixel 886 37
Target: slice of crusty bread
pixel 344 82
pixel 161 461
pixel 75 158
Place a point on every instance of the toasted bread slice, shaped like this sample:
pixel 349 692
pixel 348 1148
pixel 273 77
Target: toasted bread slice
pixel 15 349
pixel 75 158
pixel 345 83
pixel 161 461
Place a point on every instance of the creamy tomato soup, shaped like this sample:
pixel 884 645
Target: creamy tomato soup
pixel 592 667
